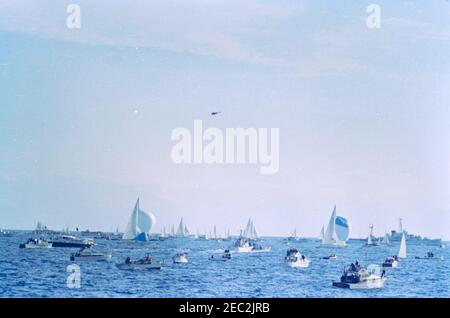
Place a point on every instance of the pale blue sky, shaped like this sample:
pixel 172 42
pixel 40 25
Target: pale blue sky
pixel 363 113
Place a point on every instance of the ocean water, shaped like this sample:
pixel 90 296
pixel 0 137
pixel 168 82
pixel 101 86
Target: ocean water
pixel 43 273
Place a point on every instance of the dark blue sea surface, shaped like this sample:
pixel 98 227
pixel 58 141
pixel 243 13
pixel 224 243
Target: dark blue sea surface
pixel 43 273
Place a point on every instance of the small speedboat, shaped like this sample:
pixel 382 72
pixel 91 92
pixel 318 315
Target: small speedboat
pixel 358 277
pixel 180 258
pixel 391 262
pixel 88 255
pixel 295 259
pixel 224 257
pixel 429 256
pixel 36 243
pixel 331 257
pixel 144 263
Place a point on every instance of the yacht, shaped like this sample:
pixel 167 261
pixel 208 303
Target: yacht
pixel 71 241
pixel 243 245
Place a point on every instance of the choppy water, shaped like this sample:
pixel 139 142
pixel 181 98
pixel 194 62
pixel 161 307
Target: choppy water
pixel 42 273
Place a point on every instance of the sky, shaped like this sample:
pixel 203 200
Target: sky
pixel 86 114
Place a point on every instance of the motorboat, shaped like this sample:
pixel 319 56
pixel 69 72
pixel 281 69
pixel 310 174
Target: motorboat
pixel 36 243
pixel 358 277
pixel 295 259
pixel 243 245
pixel 145 263
pixel 430 256
pixel 391 261
pixel 180 258
pixel 224 257
pixel 71 241
pixel 86 254
pixel 331 257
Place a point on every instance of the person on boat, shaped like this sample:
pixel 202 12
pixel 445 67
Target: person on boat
pixel 303 257
pixel 353 267
pixel 148 259
pixel 430 254
pixel 128 260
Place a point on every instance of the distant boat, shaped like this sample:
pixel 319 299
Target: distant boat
pixel 322 234
pixel 371 238
pixel 402 250
pixel 337 231
pixel 139 225
pixel 182 230
pixel 385 240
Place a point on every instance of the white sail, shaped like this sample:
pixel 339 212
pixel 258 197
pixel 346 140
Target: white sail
pixel 139 222
pixel 322 233
pixel 172 230
pixel 186 231
pixel 215 232
pixel 131 229
pixel 385 239
pixel 329 234
pixel 180 230
pixel 369 240
pixel 402 250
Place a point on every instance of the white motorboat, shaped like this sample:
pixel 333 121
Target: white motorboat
pixel 88 255
pixel 295 259
pixel 331 257
pixel 146 263
pixel 243 245
pixel 391 262
pixel 358 277
pixel 180 258
pixel 36 243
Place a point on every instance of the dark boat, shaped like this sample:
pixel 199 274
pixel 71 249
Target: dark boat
pixel 71 242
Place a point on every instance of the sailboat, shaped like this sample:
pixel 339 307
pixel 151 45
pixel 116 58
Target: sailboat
pixel 250 231
pixel 182 230
pixel 322 234
pixel 370 238
pixel 139 225
pixel 402 249
pixel 293 236
pixel 385 240
pixel 337 231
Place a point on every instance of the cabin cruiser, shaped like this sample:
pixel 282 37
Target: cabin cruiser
pixel 330 257
pixel 144 263
pixel 243 245
pixel 36 243
pixel 180 258
pixel 295 259
pixel 224 257
pixel 86 254
pixel 391 261
pixel 71 241
pixel 358 277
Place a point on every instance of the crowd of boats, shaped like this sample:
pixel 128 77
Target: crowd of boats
pixel 355 276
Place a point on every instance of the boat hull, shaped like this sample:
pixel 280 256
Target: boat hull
pixel 245 249
pixel 298 264
pixel 34 246
pixel 92 258
pixel 71 244
pixel 391 264
pixel 369 284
